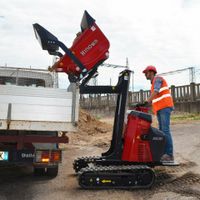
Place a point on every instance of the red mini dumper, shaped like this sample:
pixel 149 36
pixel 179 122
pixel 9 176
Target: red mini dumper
pixel 90 47
pixel 129 161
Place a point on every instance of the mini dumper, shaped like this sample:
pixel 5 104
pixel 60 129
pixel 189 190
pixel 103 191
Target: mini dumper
pixel 134 150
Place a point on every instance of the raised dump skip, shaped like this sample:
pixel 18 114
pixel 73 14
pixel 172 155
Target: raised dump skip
pixel 89 49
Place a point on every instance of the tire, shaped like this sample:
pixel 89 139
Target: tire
pixel 52 171
pixel 39 171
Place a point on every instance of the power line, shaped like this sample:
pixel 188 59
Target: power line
pixel 174 71
pixel 121 66
pixel 190 69
pixel 113 65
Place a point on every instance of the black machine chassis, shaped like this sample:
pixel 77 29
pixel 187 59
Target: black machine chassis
pixel 84 162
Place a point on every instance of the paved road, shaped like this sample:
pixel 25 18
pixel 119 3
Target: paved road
pixel 18 183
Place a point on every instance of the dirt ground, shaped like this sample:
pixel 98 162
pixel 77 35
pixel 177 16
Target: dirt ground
pixel 93 138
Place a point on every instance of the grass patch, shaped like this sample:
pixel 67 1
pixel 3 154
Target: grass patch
pixel 185 117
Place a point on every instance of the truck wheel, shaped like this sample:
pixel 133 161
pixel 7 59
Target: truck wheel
pixel 52 171
pixel 39 171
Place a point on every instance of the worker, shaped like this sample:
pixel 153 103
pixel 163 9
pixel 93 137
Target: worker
pixel 162 104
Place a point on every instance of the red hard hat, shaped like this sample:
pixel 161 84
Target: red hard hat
pixel 150 68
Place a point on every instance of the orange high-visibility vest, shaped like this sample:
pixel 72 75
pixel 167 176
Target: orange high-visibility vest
pixel 163 99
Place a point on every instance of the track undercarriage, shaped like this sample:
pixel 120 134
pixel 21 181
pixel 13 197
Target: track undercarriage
pixel 93 175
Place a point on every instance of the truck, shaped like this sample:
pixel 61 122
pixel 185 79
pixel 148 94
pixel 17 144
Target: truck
pixel 35 116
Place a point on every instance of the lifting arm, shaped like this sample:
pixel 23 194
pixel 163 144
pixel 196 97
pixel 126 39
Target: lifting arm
pixel 121 89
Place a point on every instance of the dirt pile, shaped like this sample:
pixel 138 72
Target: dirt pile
pixel 89 125
pixel 91 131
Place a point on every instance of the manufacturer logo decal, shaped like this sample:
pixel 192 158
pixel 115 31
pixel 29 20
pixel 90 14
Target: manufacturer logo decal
pixel 89 47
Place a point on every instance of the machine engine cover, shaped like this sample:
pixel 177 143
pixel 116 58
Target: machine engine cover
pixel 142 143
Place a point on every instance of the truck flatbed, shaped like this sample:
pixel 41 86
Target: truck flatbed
pixel 38 108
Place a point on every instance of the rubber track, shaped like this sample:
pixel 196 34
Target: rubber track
pixel 115 177
pixel 84 162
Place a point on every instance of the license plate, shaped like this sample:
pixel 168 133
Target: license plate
pixel 3 155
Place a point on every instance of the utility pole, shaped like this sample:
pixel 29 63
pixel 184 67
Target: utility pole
pixel 192 74
pixel 121 66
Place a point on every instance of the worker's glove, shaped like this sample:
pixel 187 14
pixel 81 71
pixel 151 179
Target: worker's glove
pixel 143 104
pixel 138 105
pixel 146 104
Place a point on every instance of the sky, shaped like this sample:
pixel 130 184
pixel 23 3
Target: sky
pixel 163 33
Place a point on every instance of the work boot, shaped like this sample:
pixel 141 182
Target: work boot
pixel 167 158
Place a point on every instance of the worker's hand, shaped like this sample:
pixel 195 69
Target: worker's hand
pixel 141 104
pixel 146 103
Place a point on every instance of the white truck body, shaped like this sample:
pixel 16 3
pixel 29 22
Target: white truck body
pixel 37 108
pixel 34 108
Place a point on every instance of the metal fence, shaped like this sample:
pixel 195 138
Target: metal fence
pixel 189 94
